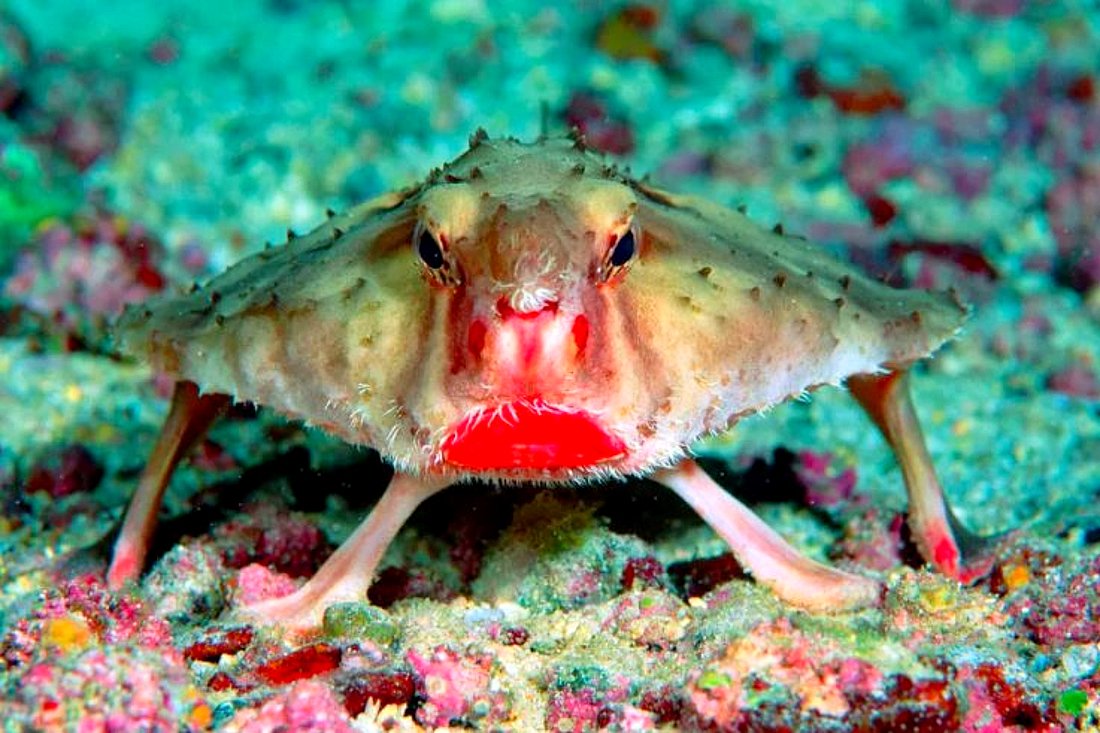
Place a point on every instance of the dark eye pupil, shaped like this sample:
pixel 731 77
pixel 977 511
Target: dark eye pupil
pixel 624 250
pixel 429 251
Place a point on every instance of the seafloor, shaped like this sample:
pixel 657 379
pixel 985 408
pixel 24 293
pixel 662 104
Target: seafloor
pixel 146 145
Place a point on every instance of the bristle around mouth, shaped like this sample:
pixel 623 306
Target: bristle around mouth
pixel 530 434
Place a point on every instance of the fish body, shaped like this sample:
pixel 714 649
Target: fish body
pixel 530 313
pixel 525 315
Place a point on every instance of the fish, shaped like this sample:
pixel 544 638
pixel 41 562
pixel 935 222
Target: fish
pixel 530 313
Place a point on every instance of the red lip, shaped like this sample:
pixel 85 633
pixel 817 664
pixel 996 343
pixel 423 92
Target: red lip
pixel 529 434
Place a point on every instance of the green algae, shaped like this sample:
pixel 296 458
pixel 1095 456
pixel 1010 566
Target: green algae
pixel 28 197
pixel 1073 702
pixel 556 555
pixel 353 620
pixel 712 679
pixel 577 677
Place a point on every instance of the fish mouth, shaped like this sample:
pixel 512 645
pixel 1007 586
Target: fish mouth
pixel 531 434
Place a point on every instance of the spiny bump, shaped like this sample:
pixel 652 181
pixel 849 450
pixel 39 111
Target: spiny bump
pixel 754 293
pixel 475 173
pixel 478 137
pixel 705 272
pixel 915 317
pixel 780 279
pixel 778 228
pixel 578 169
pixel 742 208
pixel 291 235
pixel 337 232
pixel 839 302
pixel 329 213
pixel 844 281
pixel 215 296
pixel 219 319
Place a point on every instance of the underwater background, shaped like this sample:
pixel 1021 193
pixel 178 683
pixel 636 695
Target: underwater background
pixel 144 146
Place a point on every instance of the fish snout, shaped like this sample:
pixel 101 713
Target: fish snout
pixel 532 344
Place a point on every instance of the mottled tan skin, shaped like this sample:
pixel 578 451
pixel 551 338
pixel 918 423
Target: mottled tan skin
pixel 712 318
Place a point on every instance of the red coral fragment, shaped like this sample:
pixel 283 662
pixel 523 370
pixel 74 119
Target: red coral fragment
pixel 967 257
pixel 1013 703
pixel 645 572
pixel 385 688
pixel 920 706
pixel 881 209
pixel 222 682
pixel 589 114
pixel 1082 89
pixel 394 584
pixel 217 643
pixel 872 94
pixel 513 636
pixel 70 470
pixel 300 664
pixel 697 577
pixel 286 541
pixel 665 703
pixel 211 456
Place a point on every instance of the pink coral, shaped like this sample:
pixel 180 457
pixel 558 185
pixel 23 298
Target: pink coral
pixel 577 711
pixel 456 687
pixel 1057 605
pixel 257 583
pixel 113 617
pixel 1077 380
pixel 287 541
pixel 82 272
pixel 776 653
pixel 307 707
pixel 589 113
pixel 868 166
pixel 118 688
pixel 826 483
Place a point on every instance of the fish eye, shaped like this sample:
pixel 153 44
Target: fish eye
pixel 623 250
pixel 429 250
